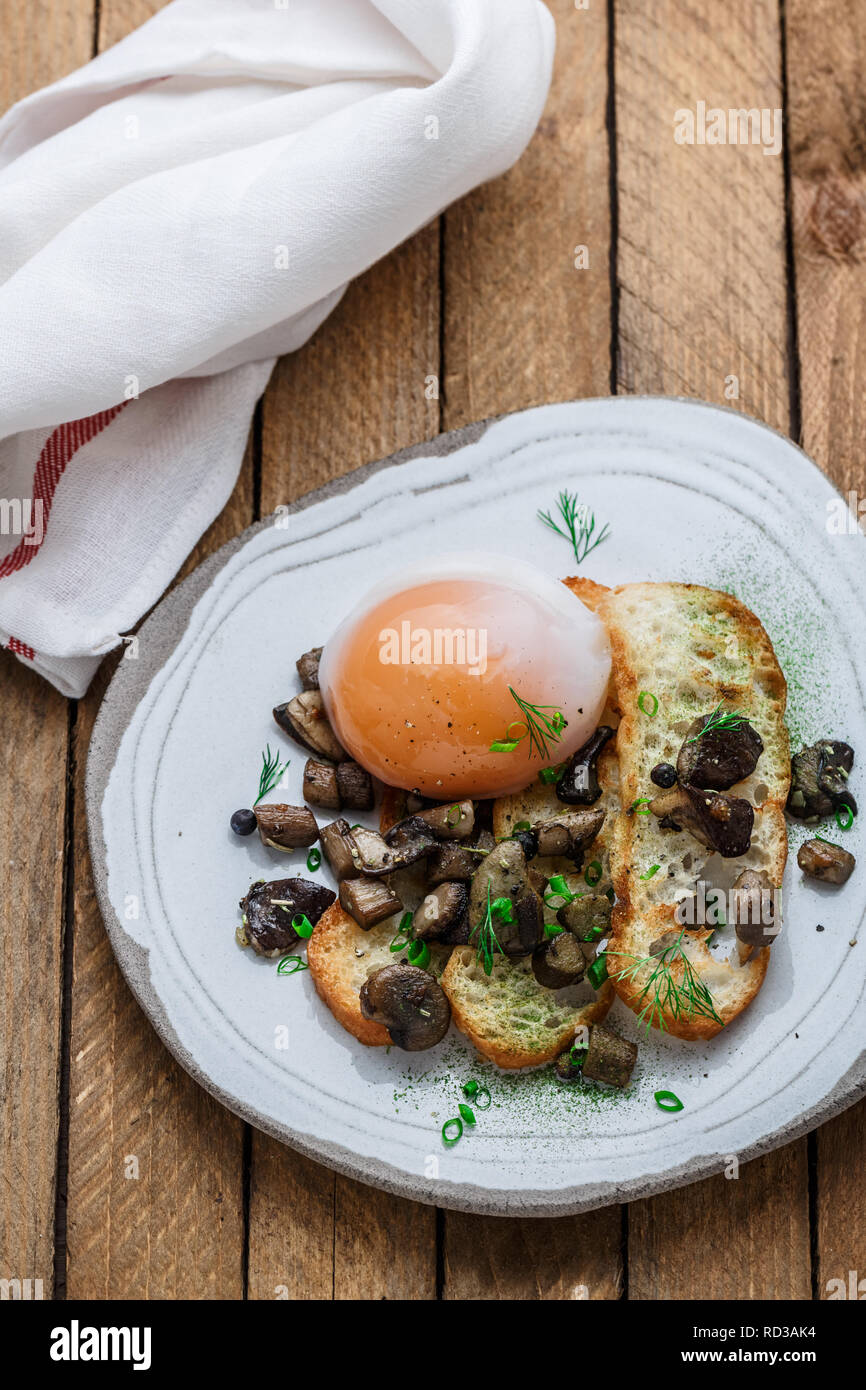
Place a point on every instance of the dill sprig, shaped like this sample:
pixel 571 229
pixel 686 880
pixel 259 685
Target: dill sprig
pixel 271 773
pixel 687 997
pixel 717 720
pixel 579 524
pixel 487 939
pixel 540 727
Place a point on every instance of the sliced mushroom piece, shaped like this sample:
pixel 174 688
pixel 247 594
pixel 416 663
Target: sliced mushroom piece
pixel 355 786
pixel 578 785
pixel 308 668
pixel 610 1058
pixel 372 854
pixel 568 1066
pixel 503 874
pixel 723 823
pixel 451 862
pixel 410 840
pixel 819 780
pixel 569 834
pixel 443 910
pixel 320 785
pixel 368 900
pixel 409 1003
pixel 269 908
pixel 304 719
pixel 720 757
pixel 286 827
pixel 829 863
pixel 455 821
pixel 588 919
pixel 339 849
pixel 753 907
pixel 559 961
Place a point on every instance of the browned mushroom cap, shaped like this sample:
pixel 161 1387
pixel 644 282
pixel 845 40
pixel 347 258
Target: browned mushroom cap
pixel 368 900
pixel 829 863
pixel 304 719
pixel 819 780
pixel 503 874
pixel 268 910
pixel 409 1003
pixel 578 785
pixel 610 1058
pixel 722 823
pixel 308 668
pixel 410 839
pixel 588 919
pixel 753 908
pixel 452 822
pixel 286 827
pixel 451 862
pixel 568 834
pixel 721 756
pixel 559 961
pixel 441 911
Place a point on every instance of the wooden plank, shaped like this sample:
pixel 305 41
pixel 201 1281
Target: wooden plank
pixel 826 51
pixel 523 326
pixel 155 1187
pixel 356 392
pixel 702 280
pixel 33 743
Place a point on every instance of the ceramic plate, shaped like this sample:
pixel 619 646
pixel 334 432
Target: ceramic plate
pixel 691 492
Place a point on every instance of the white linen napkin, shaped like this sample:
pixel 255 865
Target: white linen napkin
pixel 173 216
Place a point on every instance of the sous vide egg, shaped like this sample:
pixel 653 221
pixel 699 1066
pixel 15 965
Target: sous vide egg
pixel 421 677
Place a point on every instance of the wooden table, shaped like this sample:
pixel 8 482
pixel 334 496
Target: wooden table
pixel 713 271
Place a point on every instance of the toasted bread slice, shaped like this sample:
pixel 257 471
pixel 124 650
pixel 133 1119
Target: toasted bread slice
pixel 510 1017
pixel 691 648
pixel 341 956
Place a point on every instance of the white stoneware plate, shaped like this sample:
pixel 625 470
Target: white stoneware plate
pixel 691 492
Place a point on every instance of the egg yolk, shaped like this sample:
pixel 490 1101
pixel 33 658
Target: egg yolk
pixel 420 685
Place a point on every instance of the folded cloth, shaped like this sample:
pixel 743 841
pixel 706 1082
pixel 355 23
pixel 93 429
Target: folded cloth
pixel 176 214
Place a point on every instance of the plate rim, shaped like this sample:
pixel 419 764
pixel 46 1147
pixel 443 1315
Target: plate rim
pixel 165 628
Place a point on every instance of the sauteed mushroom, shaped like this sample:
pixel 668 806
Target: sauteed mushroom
pixel 320 785
pixel 610 1058
pixel 368 901
pixel 588 919
pixel 409 1003
pixel 503 874
pixel 355 786
pixel 829 863
pixel 568 834
pixel 286 827
pixel 455 821
pixel 819 780
pixel 442 911
pixel 269 908
pixel 304 719
pixel 722 823
pixel 559 961
pixel 308 668
pixel 754 909
pixel 578 785
pixel 338 847
pixel 718 755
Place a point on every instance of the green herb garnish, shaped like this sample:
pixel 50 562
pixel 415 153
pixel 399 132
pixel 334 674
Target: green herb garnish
pixel 314 859
pixel 648 695
pixel 666 1100
pixel 303 926
pixel 578 523
pixel 291 965
pixel 487 939
pixel 452 1131
pixel 717 720
pixel 686 998
pixel 651 872
pixel 418 954
pixel 466 1113
pixel 403 935
pixel 271 773
pixel 539 723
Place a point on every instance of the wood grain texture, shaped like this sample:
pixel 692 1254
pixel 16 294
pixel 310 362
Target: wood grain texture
pixel 826 54
pixel 33 743
pixel 702 298
pixel 701 247
pixel 524 326
pixel 155 1186
pixel 33 746
pixel 356 392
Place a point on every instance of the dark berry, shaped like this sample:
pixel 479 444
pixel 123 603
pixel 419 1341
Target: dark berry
pixel 244 822
pixel 664 775
pixel 528 841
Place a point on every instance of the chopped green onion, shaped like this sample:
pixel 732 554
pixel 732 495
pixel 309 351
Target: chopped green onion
pixel 314 859
pixel 577 1055
pixel 549 775
pixel 843 805
pixel 666 1100
pixel 648 695
pixel 641 801
pixel 503 908
pixel 597 972
pixel 552 929
pixel 403 935
pixel 419 954
pixel 290 965
pixel 303 926
pixel 453 815
pixel 523 825
pixel 470 1089
pixel 452 1131
pixel 467 1113
pixel 596 878
pixel 650 873
pixel 503 746
pixel 482 1091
